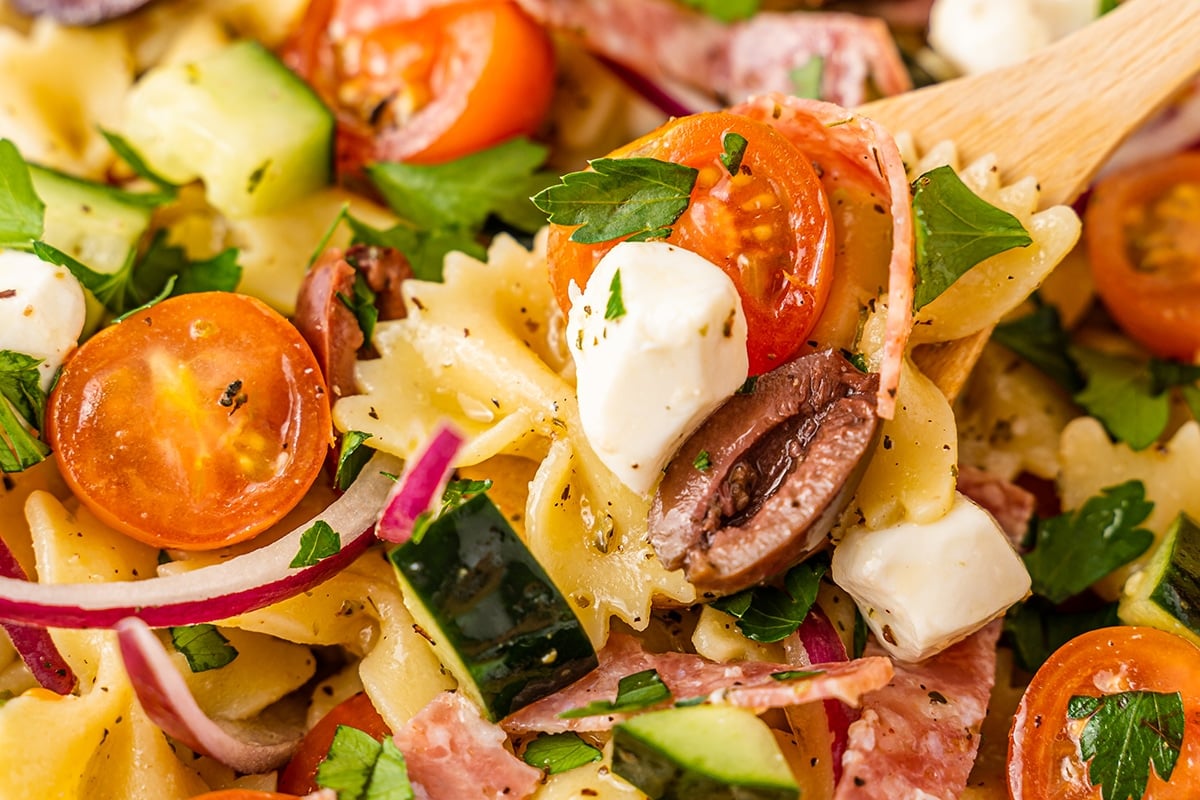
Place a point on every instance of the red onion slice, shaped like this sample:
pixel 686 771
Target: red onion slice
pixel 665 100
pixel 419 487
pixel 170 705
pixel 37 649
pixel 822 644
pixel 241 584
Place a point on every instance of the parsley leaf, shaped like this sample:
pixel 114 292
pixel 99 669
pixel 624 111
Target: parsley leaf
pixel 559 752
pixel 1036 628
pixel 22 407
pixel 634 692
pixel 1119 392
pixel 352 457
pixel 619 197
pixel 22 212
pixel 1040 339
pixel 615 309
pixel 455 494
pixel 734 145
pixel 1125 734
pixel 806 79
pixel 203 646
pixel 360 768
pixel 362 305
pixel 318 542
pixel 702 461
pixel 1165 375
pixel 425 249
pixel 1074 550
pixel 726 10
pixel 768 613
pixel 955 230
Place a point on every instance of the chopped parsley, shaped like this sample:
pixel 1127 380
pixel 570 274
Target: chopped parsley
pixel 955 230
pixel 1119 392
pixel 768 613
pixel 734 145
pixel 615 309
pixel 559 752
pixel 203 646
pixel 425 249
pixel 455 494
pixel 1126 734
pixel 1035 628
pixel 320 541
pixel 352 457
pixel 1040 339
pixel 22 212
pixel 619 197
pixel 358 767
pixel 635 692
pixel 362 305
pixel 702 461
pixel 1074 550
pixel 22 407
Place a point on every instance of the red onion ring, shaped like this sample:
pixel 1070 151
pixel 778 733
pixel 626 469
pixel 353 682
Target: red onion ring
pixel 419 487
pixel 822 644
pixel 236 586
pixel 170 705
pixel 36 647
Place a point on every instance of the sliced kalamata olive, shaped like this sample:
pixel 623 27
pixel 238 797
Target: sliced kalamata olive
pixel 79 12
pixel 758 486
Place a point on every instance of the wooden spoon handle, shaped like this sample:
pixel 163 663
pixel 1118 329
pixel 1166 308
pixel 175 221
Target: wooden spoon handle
pixel 1061 113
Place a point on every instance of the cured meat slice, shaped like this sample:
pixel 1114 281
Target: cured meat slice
pixel 1012 506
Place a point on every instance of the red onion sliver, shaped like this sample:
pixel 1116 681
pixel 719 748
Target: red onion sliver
pixel 419 487
pixel 822 643
pixel 233 587
pixel 33 642
pixel 170 705
pixel 651 91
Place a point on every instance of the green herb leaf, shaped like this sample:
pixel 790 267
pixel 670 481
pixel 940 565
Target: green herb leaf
pixel 22 408
pixel 1040 339
pixel 619 197
pixel 796 674
pixel 1120 393
pixel 1165 375
pixel 635 692
pixel 559 752
pixel 352 457
pixel 702 461
pixel 748 386
pixel 726 10
pixel 126 152
pixel 735 150
pixel 342 215
pixel 158 298
pixel 456 493
pixel 203 646
pixel 1035 628
pixel 425 249
pixel 806 79
pixel 1125 734
pixel 462 193
pixel 955 230
pixel 318 542
pixel 360 768
pixel 616 303
pixel 22 212
pixel 1074 550
pixel 362 305
pixel 769 614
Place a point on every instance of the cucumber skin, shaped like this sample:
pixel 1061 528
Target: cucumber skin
pixel 1178 589
pixel 659 777
pixel 495 607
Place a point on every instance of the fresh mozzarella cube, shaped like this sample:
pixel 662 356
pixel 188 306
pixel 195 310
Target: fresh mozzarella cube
pixel 980 35
pixel 659 340
pixel 41 310
pixel 923 587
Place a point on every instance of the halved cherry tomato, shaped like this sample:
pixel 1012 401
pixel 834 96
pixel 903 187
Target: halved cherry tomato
pixel 767 227
pixel 1143 238
pixel 1044 752
pixel 455 79
pixel 300 774
pixel 195 423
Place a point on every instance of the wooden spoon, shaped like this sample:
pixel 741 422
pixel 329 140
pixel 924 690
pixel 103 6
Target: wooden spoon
pixel 1057 116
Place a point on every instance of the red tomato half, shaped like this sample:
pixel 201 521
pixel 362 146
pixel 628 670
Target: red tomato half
pixel 767 227
pixel 195 423
pixel 1143 237
pixel 458 78
pixel 300 774
pixel 1044 758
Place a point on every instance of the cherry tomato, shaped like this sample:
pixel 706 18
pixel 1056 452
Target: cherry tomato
pixel 1044 752
pixel 300 774
pixel 458 78
pixel 1142 228
pixel 767 226
pixel 195 423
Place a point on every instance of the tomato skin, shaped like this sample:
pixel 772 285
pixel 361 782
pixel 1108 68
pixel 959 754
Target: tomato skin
pixel 768 228
pixel 1141 232
pixel 300 774
pixel 457 78
pixel 1043 753
pixel 154 433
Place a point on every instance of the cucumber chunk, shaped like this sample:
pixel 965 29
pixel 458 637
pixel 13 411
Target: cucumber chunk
pixel 1165 594
pixel 241 121
pixel 494 618
pixel 714 752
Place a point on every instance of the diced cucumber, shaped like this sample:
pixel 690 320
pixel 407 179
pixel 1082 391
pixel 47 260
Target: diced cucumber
pixel 494 618
pixel 241 121
pixel 714 752
pixel 1165 594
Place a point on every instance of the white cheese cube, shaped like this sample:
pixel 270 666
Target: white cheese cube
pixel 923 587
pixel 646 378
pixel 41 310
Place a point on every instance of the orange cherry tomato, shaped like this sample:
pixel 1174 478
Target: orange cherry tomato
pixel 245 794
pixel 300 774
pixel 458 78
pixel 767 227
pixel 1044 752
pixel 1142 228
pixel 195 423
